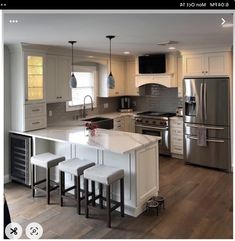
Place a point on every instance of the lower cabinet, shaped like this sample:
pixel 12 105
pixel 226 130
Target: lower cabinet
pixel 176 133
pixel 124 123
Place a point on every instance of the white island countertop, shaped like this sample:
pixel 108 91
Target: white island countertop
pixel 115 141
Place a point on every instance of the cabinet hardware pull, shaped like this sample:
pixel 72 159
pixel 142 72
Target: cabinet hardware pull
pixel 207 127
pixel 209 140
pixel 36 110
pixel 34 123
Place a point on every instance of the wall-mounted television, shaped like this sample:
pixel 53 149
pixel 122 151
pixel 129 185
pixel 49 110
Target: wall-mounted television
pixel 152 64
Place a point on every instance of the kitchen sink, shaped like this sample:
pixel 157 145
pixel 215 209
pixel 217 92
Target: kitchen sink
pixel 101 122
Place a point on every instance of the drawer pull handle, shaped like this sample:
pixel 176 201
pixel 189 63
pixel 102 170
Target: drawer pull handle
pixel 37 122
pixel 36 110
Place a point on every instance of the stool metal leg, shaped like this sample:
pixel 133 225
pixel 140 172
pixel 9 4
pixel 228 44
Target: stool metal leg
pixel 75 190
pixel 122 196
pixel 108 206
pixel 48 185
pixel 93 193
pixel 86 197
pixel 32 180
pixel 78 195
pixel 101 195
pixel 61 187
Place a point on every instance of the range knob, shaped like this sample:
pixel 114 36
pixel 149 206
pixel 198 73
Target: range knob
pixel 146 121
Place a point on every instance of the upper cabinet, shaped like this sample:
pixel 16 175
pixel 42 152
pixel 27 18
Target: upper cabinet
pixel 58 71
pixel 118 71
pixel 130 86
pixel 34 77
pixel 207 64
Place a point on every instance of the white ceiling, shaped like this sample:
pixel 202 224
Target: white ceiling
pixel 137 33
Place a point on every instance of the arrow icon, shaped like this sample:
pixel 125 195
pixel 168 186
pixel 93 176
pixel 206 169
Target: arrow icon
pixel 223 21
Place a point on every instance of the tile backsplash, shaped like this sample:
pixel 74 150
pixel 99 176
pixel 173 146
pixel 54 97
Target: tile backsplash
pixel 153 98
pixel 59 113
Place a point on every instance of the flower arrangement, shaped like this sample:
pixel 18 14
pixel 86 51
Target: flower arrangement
pixel 91 127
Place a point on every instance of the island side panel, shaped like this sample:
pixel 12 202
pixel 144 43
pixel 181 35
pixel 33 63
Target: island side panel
pixel 147 169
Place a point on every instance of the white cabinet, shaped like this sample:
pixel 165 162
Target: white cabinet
pixel 124 123
pixel 58 71
pixel 118 71
pixel 27 88
pixel 207 64
pixel 130 86
pixel 176 133
pixel 180 77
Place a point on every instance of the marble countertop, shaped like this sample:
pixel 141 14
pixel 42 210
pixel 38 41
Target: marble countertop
pixel 114 141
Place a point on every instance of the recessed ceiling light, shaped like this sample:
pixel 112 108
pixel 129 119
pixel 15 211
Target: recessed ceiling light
pixel 126 52
pixel 171 48
pixel 90 56
pixel 227 25
pixel 13 21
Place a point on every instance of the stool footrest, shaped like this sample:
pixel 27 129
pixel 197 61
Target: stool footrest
pixel 39 182
pixel 69 189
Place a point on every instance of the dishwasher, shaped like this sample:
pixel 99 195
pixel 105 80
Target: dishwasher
pixel 20 153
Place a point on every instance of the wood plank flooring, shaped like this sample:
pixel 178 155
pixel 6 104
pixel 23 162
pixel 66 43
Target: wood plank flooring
pixel 198 205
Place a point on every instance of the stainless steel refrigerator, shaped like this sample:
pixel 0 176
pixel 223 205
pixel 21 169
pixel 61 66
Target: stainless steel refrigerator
pixel 207 122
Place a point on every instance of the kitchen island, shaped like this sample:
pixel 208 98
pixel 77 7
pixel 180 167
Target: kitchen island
pixel 137 154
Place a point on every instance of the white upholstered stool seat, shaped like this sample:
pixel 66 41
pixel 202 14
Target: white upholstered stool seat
pixel 103 174
pixel 106 176
pixel 75 166
pixel 46 160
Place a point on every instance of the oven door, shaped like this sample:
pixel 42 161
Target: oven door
pixel 163 132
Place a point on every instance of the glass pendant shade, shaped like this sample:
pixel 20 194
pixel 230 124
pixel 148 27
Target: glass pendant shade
pixel 110 79
pixel 72 80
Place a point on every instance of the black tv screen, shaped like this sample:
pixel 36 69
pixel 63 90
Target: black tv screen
pixel 152 64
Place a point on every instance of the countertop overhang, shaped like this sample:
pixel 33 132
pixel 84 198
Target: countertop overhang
pixel 114 141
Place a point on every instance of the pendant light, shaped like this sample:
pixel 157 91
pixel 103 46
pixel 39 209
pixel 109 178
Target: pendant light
pixel 72 80
pixel 110 80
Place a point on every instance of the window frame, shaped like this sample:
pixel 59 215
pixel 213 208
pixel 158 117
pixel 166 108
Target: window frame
pixel 85 68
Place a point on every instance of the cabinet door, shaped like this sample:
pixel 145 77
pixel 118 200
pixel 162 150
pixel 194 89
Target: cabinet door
pixel 130 87
pixel 193 65
pixel 216 64
pixel 180 77
pixel 51 77
pixel 64 72
pixel 118 74
pixel 34 86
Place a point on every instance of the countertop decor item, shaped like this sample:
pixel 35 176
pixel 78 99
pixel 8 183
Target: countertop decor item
pixel 73 80
pixel 91 127
pixel 111 81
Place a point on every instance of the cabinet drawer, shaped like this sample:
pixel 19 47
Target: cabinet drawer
pixel 176 124
pixel 177 140
pixel 35 123
pixel 33 110
pixel 177 149
pixel 176 131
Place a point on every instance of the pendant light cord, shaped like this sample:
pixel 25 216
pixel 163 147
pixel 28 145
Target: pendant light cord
pixel 110 56
pixel 72 57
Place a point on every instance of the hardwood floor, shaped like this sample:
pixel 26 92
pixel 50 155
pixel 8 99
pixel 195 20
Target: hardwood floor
pixel 198 205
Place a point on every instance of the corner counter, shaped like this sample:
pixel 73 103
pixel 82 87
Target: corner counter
pixel 137 154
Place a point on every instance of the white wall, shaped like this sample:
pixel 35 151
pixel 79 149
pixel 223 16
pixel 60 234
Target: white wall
pixel 7 113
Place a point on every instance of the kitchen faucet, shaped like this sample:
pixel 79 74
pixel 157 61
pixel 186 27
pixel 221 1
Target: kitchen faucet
pixel 84 105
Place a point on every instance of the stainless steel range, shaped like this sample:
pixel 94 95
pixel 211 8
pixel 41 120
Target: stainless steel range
pixel 156 124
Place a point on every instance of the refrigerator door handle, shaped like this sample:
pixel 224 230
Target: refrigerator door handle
pixel 209 140
pixel 207 127
pixel 205 102
pixel 201 101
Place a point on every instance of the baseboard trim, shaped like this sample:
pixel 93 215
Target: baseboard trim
pixel 7 179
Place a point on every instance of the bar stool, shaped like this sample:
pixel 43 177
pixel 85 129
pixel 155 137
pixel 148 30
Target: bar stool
pixel 45 160
pixel 75 167
pixel 105 175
